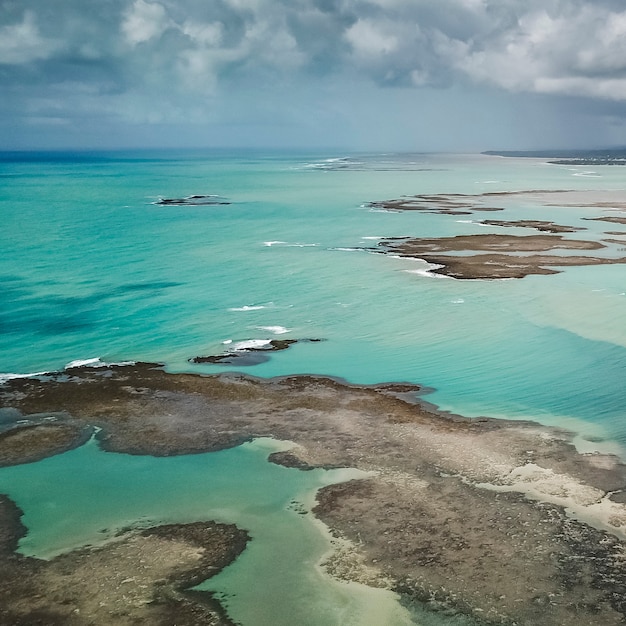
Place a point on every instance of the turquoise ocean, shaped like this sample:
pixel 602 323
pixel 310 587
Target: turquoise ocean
pixel 92 268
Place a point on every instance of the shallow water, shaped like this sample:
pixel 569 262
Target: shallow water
pixel 92 268
pixel 66 507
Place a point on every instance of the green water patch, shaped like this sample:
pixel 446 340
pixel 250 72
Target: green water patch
pixel 85 496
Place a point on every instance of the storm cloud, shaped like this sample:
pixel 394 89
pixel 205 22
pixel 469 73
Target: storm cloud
pixel 137 63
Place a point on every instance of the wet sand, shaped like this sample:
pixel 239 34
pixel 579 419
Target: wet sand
pixel 504 521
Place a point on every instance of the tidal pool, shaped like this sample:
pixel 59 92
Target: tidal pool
pixel 84 496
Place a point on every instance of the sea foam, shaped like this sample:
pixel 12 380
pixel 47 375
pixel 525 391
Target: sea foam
pixel 246 307
pixel 251 344
pixel 95 362
pixel 9 376
pixel 277 330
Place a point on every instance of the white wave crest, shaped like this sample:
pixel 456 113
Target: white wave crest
pixel 427 270
pixel 96 362
pixel 9 376
pixel 247 308
pixel 85 363
pixel 277 330
pixel 251 344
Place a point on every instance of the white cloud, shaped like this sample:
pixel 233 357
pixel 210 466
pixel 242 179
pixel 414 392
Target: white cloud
pixel 605 50
pixel 144 21
pixel 206 34
pixel 273 45
pixel 22 43
pixel 535 46
pixel 178 58
pixel 580 52
pixel 368 39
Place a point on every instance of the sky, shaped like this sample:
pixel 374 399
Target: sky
pixel 422 75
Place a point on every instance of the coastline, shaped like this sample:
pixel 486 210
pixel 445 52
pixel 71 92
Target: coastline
pixel 482 517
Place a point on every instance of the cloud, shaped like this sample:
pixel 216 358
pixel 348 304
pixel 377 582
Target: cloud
pixel 159 60
pixel 579 52
pixel 368 39
pixel 21 43
pixel 144 21
pixel 546 46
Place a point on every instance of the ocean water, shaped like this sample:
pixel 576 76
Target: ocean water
pixel 92 268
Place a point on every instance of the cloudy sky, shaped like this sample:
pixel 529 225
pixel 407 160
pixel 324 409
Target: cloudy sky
pixel 360 74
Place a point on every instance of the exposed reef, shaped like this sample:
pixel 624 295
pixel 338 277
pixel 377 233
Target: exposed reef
pixel 196 200
pixel 250 352
pixel 508 254
pixel 502 256
pixel 610 156
pixel 443 204
pixel 466 204
pixel 613 219
pixel 540 225
pixel 141 577
pixel 35 439
pixel 504 521
pixel 492 243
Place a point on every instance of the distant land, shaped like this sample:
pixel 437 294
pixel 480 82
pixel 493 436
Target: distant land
pixel 609 156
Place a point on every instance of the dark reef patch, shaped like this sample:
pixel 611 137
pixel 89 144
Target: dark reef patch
pixel 508 255
pixel 250 355
pixel 443 204
pixel 613 219
pixel 142 577
pixel 455 513
pixel 195 200
pixel 38 439
pixel 541 226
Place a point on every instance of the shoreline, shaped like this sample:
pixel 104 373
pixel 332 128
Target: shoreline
pixel 456 508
